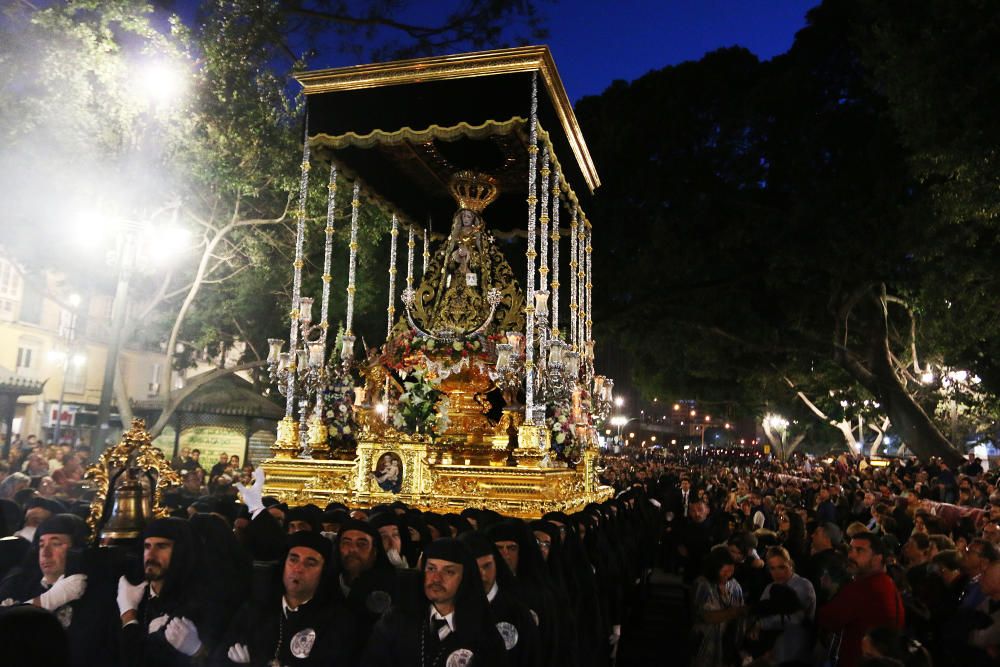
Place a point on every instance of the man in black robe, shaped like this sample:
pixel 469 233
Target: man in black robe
pixel 446 622
pixel 514 622
pixel 303 625
pixel 165 620
pixel 56 579
pixel 366 581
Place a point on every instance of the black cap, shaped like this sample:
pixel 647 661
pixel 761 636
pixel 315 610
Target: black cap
pixel 170 528
pixel 311 540
pixel 447 548
pixel 505 532
pixel 363 526
pixel 66 524
pixel 478 544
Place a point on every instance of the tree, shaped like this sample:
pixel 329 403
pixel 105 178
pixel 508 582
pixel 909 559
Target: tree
pixel 220 161
pixel 790 232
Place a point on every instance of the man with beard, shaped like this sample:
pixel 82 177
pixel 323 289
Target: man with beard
pixel 514 621
pixel 306 627
pixel 391 531
pixel 164 622
pixel 367 581
pixel 54 581
pixel 869 601
pixel 445 622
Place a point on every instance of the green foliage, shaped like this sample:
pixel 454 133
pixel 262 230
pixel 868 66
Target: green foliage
pixel 764 204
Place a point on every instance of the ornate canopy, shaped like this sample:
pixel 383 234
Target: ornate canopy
pixel 469 112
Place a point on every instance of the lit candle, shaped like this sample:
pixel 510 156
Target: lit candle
pixel 316 354
pixel 274 349
pixel 301 358
pixel 306 310
pixel 503 356
pixel 557 352
pixel 541 303
pixel 284 359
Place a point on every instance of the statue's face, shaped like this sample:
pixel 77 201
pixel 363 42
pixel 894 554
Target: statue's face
pixel 468 218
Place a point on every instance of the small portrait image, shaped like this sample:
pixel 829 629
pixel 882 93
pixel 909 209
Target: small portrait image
pixel 388 472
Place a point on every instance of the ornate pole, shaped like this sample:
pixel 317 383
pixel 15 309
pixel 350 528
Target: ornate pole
pixel 348 352
pixel 572 280
pixel 590 303
pixel 297 264
pixel 581 319
pixel 392 275
pixel 529 346
pixel 427 253
pixel 328 253
pixel 543 262
pixel 411 244
pixel 555 254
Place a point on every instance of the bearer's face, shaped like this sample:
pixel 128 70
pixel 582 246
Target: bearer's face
pixel 510 551
pixel 52 551
pixel 487 571
pixel 441 580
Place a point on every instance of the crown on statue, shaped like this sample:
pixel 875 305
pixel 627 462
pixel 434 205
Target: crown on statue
pixel 473 191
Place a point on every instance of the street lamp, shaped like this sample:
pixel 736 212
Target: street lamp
pixel 67 357
pixel 777 424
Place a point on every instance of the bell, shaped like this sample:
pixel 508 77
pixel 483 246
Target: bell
pixel 129 515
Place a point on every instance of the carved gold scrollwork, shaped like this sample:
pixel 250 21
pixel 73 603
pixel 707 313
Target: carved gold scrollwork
pixel 134 450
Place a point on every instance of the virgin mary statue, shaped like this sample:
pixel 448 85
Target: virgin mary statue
pixel 451 300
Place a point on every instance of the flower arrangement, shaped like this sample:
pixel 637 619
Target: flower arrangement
pixel 399 352
pixel 338 401
pixel 565 444
pixel 420 408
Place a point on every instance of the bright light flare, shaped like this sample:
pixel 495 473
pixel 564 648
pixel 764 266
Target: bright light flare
pixel 161 81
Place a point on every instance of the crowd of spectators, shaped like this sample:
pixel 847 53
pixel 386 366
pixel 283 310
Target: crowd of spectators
pixel 232 577
pixel 830 562
pixel 839 561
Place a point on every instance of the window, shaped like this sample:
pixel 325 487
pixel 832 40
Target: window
pixel 29 359
pixel 10 281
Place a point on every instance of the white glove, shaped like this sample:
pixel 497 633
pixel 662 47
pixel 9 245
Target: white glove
pixel 616 634
pixel 239 653
pixel 157 623
pixel 65 590
pixel 253 494
pixel 129 596
pixel 183 636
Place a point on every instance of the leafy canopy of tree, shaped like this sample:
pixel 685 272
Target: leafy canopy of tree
pixel 775 225
pixel 218 158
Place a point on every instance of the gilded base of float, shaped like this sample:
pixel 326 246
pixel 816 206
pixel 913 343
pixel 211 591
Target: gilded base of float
pixel 433 478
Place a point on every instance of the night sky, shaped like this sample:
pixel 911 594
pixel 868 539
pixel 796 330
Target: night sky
pixel 595 42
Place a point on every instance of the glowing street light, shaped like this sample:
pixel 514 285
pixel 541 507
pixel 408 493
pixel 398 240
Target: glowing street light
pixel 619 401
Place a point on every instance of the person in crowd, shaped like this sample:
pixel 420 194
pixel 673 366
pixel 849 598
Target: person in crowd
pixel 164 622
pixel 366 581
pixel 871 600
pixel 514 621
pixel 444 623
pixel 299 624
pixel 54 579
pixel 825 557
pixel 786 611
pixel 718 612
